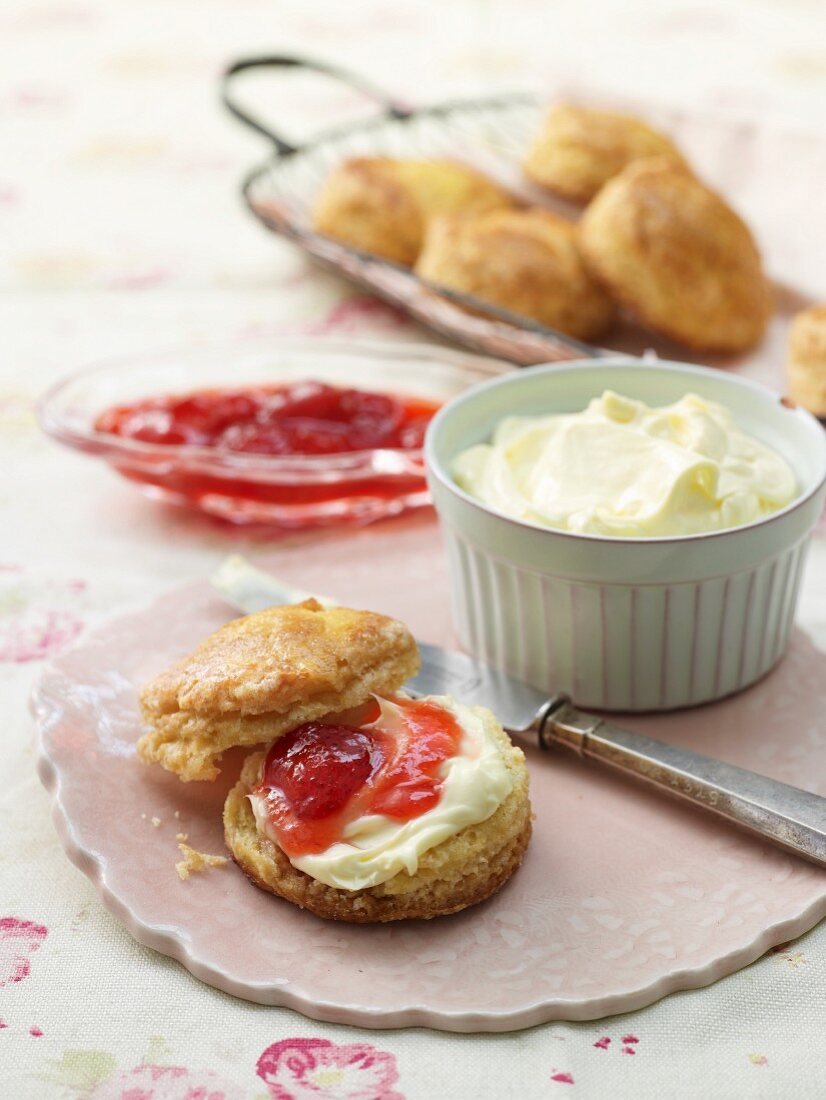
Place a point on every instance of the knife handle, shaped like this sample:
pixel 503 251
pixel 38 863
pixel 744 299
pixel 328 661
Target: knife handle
pixel 787 816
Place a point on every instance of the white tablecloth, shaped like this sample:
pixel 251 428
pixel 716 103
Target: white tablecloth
pixel 122 233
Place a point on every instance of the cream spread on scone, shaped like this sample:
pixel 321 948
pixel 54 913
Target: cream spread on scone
pixel 375 847
pixel 627 469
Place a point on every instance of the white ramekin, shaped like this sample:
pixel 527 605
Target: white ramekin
pixel 625 624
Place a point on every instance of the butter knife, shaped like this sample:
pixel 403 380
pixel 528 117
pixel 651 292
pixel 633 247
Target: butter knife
pixel 787 816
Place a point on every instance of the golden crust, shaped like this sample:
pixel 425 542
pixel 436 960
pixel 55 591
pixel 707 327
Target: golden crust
pixel 382 206
pixel 677 257
pixel 526 261
pixel 463 870
pixel 579 149
pixel 262 675
pixel 807 359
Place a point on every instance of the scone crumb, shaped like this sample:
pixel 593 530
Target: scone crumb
pixel 156 821
pixel 182 836
pixel 143 817
pixel 177 815
pixel 194 863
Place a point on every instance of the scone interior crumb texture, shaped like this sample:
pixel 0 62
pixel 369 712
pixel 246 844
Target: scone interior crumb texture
pixel 461 871
pixel 807 359
pixel 260 676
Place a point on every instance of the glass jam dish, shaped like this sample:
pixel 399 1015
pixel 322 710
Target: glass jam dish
pixel 291 491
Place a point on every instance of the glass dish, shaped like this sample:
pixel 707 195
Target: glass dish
pixel 291 492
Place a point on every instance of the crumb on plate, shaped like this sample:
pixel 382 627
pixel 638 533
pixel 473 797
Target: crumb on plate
pixel 194 863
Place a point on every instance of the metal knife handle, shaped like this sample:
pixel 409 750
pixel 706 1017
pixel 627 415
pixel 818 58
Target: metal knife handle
pixel 787 816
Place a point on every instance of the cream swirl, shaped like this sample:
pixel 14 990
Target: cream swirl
pixel 627 469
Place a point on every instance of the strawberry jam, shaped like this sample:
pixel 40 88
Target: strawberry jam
pixel 305 418
pixel 319 778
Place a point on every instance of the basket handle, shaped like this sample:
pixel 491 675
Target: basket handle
pixel 392 108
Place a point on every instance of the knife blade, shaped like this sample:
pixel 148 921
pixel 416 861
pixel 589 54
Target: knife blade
pixel 446 672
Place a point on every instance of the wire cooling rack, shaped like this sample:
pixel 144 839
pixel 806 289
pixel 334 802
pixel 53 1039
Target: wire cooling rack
pixel 489 133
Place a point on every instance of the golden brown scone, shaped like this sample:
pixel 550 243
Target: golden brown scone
pixel 262 675
pixel 461 871
pixel 677 257
pixel 807 359
pixel 579 149
pixel 526 261
pixel 382 206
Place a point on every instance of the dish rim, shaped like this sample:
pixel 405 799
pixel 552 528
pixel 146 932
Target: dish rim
pixel 90 440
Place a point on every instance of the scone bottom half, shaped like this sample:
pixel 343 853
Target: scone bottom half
pixel 260 676
pixel 464 869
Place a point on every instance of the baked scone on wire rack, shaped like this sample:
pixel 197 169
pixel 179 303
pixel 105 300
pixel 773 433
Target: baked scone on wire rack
pixel 361 804
pixel 578 149
pixel 383 205
pixel 526 261
pixel 677 257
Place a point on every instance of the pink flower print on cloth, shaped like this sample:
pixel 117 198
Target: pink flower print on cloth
pixel 146 1082
pixel 38 616
pixel 19 939
pixel 316 1069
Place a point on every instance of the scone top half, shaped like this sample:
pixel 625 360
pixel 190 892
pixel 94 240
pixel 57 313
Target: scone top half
pixel 260 676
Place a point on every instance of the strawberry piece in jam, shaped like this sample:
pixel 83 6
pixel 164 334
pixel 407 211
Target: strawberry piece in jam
pixel 287 437
pixel 317 768
pixel 319 778
pixel 314 400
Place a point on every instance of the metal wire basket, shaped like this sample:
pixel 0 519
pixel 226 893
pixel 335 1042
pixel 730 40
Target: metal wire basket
pixel 491 133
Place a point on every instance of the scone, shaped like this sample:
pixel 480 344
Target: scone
pixel 466 864
pixel 579 149
pixel 807 359
pixel 526 261
pixel 365 805
pixel 382 206
pixel 677 257
pixel 264 674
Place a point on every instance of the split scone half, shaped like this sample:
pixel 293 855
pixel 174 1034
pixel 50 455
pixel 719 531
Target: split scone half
pixel 262 675
pixel 364 805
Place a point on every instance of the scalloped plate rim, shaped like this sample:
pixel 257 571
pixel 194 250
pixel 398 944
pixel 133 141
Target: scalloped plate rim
pixel 172 941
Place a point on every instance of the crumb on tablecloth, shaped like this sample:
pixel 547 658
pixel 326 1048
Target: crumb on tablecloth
pixel 194 863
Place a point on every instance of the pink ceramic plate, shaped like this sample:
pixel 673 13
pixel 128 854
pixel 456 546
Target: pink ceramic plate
pixel 623 897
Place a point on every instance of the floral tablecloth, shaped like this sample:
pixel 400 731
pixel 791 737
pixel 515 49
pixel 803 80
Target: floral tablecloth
pixel 122 233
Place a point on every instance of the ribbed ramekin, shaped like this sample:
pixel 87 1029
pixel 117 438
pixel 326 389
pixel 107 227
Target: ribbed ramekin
pixel 618 623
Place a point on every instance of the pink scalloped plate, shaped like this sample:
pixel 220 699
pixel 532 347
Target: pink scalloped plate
pixel 624 896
